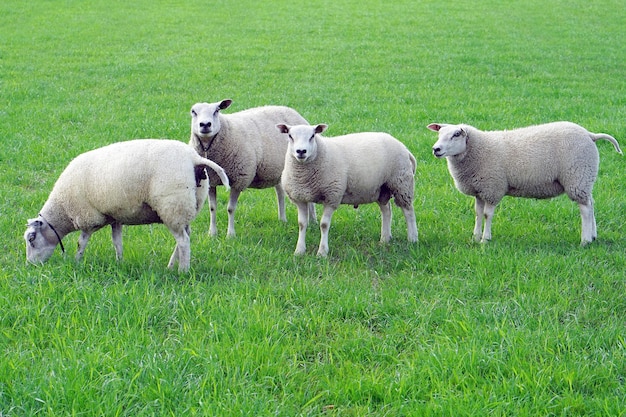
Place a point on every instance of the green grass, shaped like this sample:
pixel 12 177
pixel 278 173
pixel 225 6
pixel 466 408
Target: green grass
pixel 530 324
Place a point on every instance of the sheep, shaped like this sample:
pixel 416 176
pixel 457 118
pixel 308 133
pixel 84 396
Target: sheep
pixel 246 144
pixel 541 162
pixel 135 182
pixel 353 169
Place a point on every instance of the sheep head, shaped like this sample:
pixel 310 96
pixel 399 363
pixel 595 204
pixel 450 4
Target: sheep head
pixel 302 140
pixel 452 140
pixel 205 121
pixel 41 241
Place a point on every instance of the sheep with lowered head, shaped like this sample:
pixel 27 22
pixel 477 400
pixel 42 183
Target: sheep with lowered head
pixel 247 146
pixel 540 161
pixel 353 169
pixel 140 181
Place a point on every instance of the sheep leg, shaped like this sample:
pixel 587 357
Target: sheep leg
pixel 116 235
pixel 488 212
pixel 82 243
pixel 232 206
pixel 324 228
pixel 479 207
pixel 312 214
pixel 213 211
pixel 594 228
pixel 411 224
pixel 280 198
pixel 303 222
pixel 589 232
pixel 182 250
pixel 385 229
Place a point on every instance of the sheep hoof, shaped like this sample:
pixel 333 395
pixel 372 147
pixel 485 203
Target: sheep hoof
pixel 322 252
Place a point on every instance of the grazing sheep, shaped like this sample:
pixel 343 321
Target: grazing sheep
pixel 136 182
pixel 247 145
pixel 541 161
pixel 352 169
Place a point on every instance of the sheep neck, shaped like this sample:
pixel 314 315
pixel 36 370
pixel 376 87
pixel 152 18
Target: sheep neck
pixel 206 148
pixel 54 214
pixel 55 232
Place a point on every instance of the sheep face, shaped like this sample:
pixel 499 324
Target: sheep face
pixel 40 241
pixel 205 121
pixel 452 140
pixel 302 144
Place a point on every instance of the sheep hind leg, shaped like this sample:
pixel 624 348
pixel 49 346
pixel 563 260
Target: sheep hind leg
pixel 213 211
pixel 411 224
pixel 385 228
pixel 589 232
pixel 116 236
pixel 280 199
pixel 182 250
pixel 232 206
pixel 312 213
pixel 324 228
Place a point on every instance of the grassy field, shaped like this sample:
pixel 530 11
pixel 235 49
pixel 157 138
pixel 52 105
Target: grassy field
pixel 529 325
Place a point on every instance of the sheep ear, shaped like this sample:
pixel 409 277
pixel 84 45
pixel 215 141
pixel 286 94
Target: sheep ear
pixel 435 127
pixel 224 104
pixel 320 128
pixel 282 128
pixel 34 223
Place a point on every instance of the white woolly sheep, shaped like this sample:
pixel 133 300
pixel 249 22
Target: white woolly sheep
pixel 140 181
pixel 353 169
pixel 247 146
pixel 540 162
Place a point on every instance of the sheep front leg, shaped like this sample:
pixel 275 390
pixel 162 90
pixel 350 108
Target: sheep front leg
pixel 213 211
pixel 280 198
pixel 588 232
pixel 479 208
pixel 232 206
pixel 82 244
pixel 385 229
pixel 488 212
pixel 116 236
pixel 303 222
pixel 324 228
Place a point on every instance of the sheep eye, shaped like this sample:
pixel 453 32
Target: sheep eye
pixel 216 111
pixel 456 134
pixel 290 138
pixel 193 113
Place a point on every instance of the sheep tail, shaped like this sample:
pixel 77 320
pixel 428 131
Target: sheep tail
pixel 598 136
pixel 207 163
